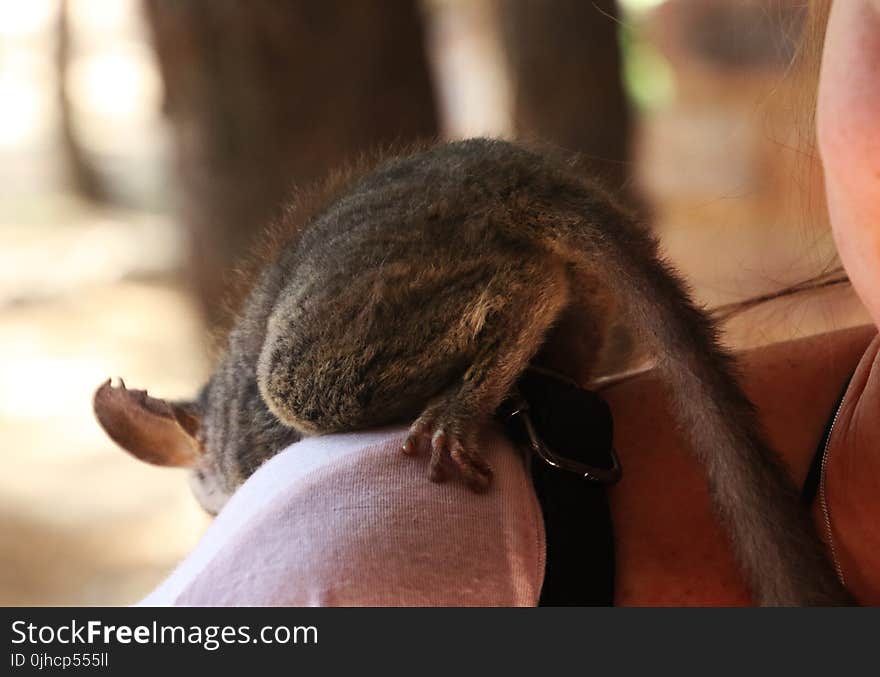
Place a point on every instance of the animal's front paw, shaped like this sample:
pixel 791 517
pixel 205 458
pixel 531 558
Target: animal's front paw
pixel 450 440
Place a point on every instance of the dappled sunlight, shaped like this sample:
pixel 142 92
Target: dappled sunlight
pixel 19 19
pixel 120 83
pixel 23 110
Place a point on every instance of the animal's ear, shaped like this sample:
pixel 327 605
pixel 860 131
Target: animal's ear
pixel 153 430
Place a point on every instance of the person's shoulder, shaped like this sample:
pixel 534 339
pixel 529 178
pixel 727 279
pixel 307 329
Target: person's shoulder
pixel 350 520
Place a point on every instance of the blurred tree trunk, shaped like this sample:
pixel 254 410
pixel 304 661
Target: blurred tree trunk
pixel 566 73
pixel 264 95
pixel 81 172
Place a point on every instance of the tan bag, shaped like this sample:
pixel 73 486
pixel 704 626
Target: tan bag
pixel 848 504
pixel 670 549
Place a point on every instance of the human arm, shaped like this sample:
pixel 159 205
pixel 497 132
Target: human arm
pixel 347 520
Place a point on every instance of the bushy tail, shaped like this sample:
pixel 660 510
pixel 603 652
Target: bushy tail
pixel 773 536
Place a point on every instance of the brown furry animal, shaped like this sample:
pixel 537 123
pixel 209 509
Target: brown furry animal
pixel 422 291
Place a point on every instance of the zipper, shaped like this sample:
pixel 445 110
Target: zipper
pixel 823 499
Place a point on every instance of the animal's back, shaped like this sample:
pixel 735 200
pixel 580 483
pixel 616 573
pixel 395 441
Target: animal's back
pixel 390 294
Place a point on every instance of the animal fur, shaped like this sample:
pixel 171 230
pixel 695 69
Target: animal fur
pixel 423 289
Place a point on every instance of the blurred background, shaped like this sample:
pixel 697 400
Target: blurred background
pixel 143 144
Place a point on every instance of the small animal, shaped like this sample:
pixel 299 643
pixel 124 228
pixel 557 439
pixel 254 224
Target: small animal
pixel 421 290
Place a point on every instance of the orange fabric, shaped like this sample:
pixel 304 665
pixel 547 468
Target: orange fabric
pixel 852 482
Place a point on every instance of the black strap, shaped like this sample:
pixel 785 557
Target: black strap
pixel 580 541
pixel 576 424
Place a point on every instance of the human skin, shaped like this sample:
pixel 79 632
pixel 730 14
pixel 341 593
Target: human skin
pixel 848 126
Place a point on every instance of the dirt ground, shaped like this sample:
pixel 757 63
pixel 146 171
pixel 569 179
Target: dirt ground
pixel 80 521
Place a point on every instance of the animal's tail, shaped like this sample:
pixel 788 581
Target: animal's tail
pixel 772 534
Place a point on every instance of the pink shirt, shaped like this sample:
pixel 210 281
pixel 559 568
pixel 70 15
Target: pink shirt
pixel 348 520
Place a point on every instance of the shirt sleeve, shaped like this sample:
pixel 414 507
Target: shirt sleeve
pixel 348 520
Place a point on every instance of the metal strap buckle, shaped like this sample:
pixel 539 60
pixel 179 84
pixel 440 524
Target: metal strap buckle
pixel 606 476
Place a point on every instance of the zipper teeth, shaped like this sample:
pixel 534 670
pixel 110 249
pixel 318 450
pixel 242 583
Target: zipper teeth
pixel 823 500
